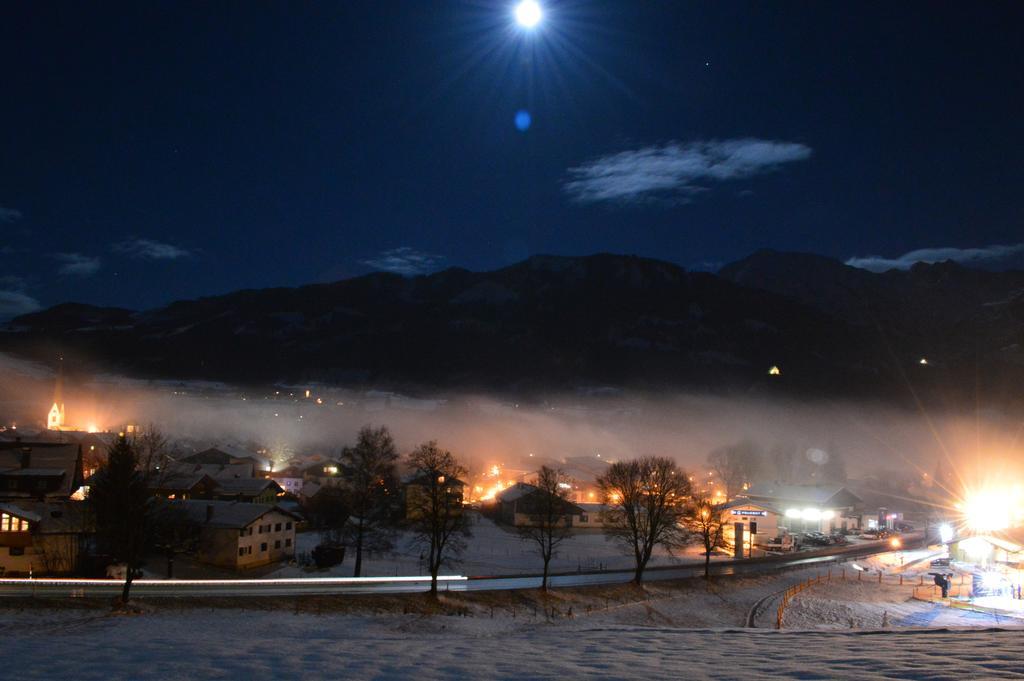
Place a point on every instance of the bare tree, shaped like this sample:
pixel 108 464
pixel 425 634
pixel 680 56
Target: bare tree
pixel 647 499
pixel 736 465
pixel 549 522
pixel 173 532
pixel 371 486
pixel 119 497
pixel 704 518
pixel 151 448
pixel 433 499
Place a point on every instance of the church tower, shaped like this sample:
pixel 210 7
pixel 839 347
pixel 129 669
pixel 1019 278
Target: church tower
pixel 55 419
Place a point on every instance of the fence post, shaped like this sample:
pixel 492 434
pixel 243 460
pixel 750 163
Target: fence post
pixel 901 580
pixel 879 576
pixel 859 575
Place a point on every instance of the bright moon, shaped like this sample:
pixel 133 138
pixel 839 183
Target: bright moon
pixel 528 13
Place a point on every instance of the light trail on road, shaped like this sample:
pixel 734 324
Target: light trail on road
pixel 327 586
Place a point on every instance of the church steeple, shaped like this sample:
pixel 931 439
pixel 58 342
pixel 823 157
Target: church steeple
pixel 55 419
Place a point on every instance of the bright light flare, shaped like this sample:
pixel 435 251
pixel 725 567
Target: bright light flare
pixel 945 533
pixel 528 13
pixel 92 428
pixel 992 510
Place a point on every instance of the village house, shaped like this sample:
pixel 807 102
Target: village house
pixel 238 535
pixel 416 491
pixel 520 504
pixel 803 508
pixel 593 515
pixel 290 479
pixel 42 537
pixel 40 470
pixel 251 490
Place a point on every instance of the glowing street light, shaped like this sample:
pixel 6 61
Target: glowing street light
pixel 528 13
pixel 945 533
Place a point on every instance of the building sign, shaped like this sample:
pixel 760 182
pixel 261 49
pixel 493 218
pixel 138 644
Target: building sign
pixel 747 511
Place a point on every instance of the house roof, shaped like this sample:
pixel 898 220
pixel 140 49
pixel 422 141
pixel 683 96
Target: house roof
pixel 417 478
pixel 53 517
pixel 227 514
pixel 819 495
pixel 214 470
pixel 317 469
pixel 744 502
pixel 185 481
pixel 246 485
pixel 528 496
pixel 18 512
pixel 309 489
pixel 42 459
pixel 589 507
pixel 516 491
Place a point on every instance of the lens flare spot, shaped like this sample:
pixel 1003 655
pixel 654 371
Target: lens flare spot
pixel 523 120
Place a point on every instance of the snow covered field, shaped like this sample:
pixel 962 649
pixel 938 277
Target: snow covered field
pixel 685 629
pixel 235 644
pixel 497 550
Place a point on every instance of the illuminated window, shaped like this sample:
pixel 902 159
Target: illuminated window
pixel 10 523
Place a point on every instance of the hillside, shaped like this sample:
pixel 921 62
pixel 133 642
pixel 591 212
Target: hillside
pixel 570 323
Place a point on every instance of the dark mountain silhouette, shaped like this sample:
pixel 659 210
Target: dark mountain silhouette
pixel 566 323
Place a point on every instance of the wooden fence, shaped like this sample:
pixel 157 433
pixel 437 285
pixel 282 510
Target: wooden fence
pixel 922 591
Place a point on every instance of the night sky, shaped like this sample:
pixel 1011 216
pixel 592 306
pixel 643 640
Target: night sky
pixel 155 151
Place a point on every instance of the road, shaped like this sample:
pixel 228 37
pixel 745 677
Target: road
pixel 323 586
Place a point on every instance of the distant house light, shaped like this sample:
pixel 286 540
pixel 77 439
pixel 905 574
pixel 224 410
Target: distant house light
pixel 923 361
pixel 774 371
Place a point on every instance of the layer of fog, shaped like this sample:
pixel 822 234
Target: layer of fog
pixel 484 431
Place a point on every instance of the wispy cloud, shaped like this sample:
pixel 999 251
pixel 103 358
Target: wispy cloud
pixel 77 264
pixel 406 261
pixel 677 170
pixel 984 255
pixel 147 249
pixel 9 214
pixel 14 303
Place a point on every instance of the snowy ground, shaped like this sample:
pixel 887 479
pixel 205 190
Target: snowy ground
pixel 498 550
pixel 846 605
pixel 235 644
pixel 684 629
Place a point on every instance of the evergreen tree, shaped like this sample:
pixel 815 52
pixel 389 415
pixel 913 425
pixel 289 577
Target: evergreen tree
pixel 120 500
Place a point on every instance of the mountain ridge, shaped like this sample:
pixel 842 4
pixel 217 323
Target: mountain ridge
pixel 566 322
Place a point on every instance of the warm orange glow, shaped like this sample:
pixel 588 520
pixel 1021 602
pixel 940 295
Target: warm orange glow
pixel 92 428
pixel 495 489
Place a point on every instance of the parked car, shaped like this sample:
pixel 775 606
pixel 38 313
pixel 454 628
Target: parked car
pixel 940 562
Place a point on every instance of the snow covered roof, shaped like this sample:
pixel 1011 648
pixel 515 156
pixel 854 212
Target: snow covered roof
pixel 516 491
pixel 44 460
pixel 819 495
pixel 246 485
pixel 743 502
pixel 17 511
pixel 227 514
pixel 309 489
pixel 53 517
